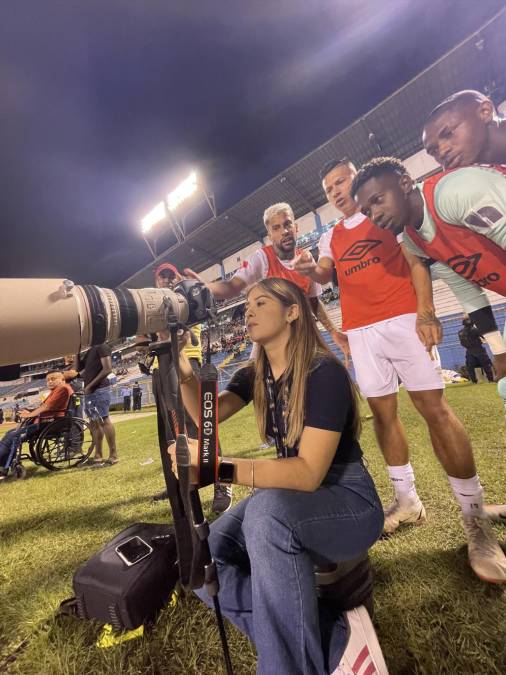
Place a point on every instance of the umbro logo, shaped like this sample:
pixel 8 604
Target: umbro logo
pixel 359 249
pixel 464 265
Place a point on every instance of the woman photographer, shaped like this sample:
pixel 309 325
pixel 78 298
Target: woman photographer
pixel 315 501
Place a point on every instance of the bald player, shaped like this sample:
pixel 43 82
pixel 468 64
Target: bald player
pixel 465 129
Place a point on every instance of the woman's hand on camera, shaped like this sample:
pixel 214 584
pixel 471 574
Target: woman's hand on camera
pixel 183 338
pixel 193 447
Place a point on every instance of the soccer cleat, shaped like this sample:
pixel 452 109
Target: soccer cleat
pixel 363 655
pixel 485 555
pixel 403 514
pixel 222 498
pixel 495 512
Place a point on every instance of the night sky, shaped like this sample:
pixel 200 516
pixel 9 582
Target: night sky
pixel 107 104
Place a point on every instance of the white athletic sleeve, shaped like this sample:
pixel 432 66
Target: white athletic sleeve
pixel 253 268
pixel 324 250
pixel 404 238
pixel 470 295
pixel 474 197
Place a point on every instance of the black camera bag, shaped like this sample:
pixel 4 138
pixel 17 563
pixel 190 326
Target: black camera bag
pixel 110 591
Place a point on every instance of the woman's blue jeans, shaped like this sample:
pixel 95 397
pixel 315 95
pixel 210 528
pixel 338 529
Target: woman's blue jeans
pixel 265 549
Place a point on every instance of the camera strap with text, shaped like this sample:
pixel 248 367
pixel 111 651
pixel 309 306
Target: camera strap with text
pixel 164 384
pixel 203 568
pixel 208 421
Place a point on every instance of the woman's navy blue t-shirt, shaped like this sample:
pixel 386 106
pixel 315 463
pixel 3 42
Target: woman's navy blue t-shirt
pixel 328 404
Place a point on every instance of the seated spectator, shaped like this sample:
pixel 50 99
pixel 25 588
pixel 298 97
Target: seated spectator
pixel 54 405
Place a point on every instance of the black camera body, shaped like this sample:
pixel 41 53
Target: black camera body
pixel 200 300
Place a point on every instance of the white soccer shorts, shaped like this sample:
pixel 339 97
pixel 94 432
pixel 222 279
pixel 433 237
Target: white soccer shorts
pixel 389 351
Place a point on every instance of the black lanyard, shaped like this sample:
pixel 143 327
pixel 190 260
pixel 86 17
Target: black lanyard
pixel 279 430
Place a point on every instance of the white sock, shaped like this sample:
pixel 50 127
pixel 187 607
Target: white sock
pixel 469 494
pixel 403 480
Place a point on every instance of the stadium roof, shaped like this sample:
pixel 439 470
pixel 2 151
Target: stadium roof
pixel 391 128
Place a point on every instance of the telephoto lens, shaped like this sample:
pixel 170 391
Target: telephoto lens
pixel 47 318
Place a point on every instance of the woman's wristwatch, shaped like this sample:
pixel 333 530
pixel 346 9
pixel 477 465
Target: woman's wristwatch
pixel 226 472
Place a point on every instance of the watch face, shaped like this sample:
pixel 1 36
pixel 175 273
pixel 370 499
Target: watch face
pixel 226 472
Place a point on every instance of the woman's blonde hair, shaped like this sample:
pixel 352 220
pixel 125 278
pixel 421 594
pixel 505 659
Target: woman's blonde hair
pixel 305 344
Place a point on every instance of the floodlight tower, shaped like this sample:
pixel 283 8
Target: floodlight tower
pixel 174 210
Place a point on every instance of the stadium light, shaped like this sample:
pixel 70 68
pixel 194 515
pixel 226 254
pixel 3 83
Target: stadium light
pixel 154 216
pixel 183 191
pixel 169 210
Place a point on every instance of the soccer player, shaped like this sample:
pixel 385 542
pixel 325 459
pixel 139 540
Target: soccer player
pixel 379 307
pixel 277 260
pixel 465 129
pixel 457 218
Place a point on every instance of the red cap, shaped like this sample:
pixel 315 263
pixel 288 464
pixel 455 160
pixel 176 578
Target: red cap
pixel 165 266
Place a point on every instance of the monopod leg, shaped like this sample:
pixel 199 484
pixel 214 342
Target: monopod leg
pixel 211 575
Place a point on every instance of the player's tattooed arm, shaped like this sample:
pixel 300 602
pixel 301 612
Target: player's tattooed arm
pixel 428 326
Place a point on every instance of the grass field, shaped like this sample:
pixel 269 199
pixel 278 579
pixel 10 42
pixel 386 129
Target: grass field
pixel 432 614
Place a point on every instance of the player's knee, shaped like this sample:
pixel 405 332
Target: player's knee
pixel 436 411
pixel 384 415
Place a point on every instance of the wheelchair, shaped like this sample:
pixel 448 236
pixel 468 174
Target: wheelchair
pixel 62 441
